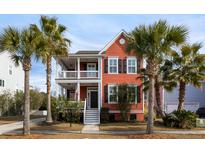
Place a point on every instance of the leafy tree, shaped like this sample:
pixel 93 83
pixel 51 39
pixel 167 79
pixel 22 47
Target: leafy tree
pixel 56 45
pixel 152 42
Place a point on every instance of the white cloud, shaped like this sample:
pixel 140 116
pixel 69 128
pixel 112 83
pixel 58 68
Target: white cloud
pixel 81 44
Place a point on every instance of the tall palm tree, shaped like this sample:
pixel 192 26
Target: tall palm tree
pixel 22 44
pixel 162 80
pixel 189 68
pixel 56 45
pixel 152 42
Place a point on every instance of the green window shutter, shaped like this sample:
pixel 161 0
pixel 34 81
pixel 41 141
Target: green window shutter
pixel 136 94
pixel 106 93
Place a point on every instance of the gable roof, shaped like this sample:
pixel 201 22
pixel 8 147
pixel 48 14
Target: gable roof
pixel 113 40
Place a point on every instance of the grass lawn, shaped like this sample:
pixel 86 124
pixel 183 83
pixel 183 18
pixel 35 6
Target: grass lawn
pixel 119 126
pixel 12 119
pixel 96 136
pixel 64 136
pixel 58 126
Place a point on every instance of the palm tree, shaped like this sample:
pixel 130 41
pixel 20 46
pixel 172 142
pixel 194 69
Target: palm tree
pixel 162 81
pixel 56 45
pixel 189 68
pixel 22 44
pixel 152 42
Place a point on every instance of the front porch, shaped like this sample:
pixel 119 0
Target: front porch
pixel 89 93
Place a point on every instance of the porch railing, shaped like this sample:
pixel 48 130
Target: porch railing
pixel 78 75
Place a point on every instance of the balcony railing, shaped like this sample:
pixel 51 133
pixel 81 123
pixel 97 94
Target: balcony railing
pixel 78 75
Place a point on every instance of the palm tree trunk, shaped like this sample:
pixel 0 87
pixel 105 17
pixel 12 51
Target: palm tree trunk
pixel 158 99
pixel 26 122
pixel 182 88
pixel 151 105
pixel 48 71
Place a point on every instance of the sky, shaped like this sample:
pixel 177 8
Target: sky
pixel 92 32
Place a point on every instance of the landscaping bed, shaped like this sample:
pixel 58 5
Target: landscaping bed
pixel 139 126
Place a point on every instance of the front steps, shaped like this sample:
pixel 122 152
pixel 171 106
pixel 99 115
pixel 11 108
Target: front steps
pixel 92 116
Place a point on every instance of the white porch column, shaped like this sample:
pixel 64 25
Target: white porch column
pixel 78 91
pixel 78 61
pixel 99 67
pixel 99 95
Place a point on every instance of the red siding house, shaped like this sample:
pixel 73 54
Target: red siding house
pixel 91 76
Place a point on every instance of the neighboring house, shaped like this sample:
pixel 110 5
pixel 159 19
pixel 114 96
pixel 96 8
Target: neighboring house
pixel 194 98
pixel 11 77
pixel 91 76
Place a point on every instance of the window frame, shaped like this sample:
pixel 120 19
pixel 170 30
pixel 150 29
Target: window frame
pixel 10 70
pixel 117 67
pixel 131 58
pixel 112 85
pixel 135 88
pixel 115 85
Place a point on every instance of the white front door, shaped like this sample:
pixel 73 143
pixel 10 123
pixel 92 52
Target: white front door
pixel 91 67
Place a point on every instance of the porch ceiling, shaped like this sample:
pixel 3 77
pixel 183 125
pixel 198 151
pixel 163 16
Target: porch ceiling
pixel 71 62
pixel 74 85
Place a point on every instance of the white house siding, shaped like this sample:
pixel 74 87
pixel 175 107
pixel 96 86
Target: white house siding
pixel 14 81
pixel 194 98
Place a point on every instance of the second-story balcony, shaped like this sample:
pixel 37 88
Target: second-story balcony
pixel 79 66
pixel 78 75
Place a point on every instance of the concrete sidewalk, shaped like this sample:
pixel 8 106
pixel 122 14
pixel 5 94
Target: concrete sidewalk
pixel 91 129
pixel 17 125
pixel 87 130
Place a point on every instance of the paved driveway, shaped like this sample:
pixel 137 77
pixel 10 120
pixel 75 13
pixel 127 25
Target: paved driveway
pixel 17 125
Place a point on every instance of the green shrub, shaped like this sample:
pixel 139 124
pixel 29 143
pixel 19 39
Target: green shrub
pixel 11 103
pixel 104 115
pixel 37 99
pixel 180 119
pixel 68 111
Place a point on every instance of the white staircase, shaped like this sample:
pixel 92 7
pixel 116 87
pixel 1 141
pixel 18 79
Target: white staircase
pixel 92 116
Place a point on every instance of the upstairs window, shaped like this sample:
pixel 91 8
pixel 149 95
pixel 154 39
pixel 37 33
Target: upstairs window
pixel 113 65
pixel 131 65
pixel 10 70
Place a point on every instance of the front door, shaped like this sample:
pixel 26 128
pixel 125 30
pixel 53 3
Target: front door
pixel 93 99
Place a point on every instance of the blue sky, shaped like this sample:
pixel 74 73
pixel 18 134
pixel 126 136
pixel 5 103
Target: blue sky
pixel 94 31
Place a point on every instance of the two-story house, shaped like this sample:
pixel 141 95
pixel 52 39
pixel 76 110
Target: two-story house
pixel 11 77
pixel 92 76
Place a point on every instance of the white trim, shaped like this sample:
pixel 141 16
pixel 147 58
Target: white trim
pixel 108 93
pixel 101 83
pixel 75 81
pixel 91 64
pixel 112 41
pixel 111 58
pixel 132 58
pixel 89 89
pixel 78 92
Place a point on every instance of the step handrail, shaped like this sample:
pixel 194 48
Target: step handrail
pixel 84 112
